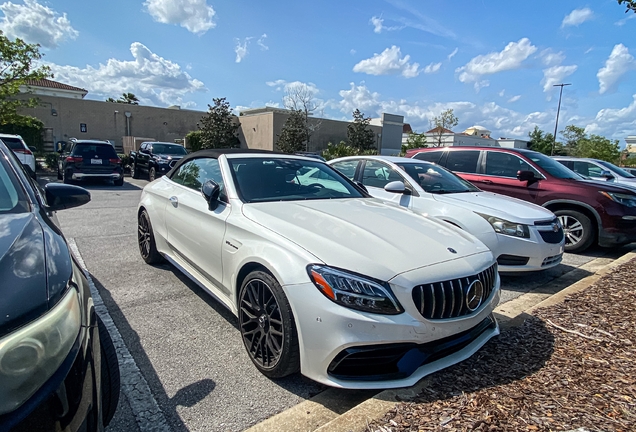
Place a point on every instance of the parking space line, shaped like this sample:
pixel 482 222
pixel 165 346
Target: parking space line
pixel 134 386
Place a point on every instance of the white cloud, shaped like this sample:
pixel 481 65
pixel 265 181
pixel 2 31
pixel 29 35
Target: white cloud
pixel 451 55
pixel 510 58
pixel 550 58
pixel 432 68
pixel 514 99
pixel 378 25
pixel 481 84
pixel 577 17
pixel 36 23
pixel 261 42
pixel 622 22
pixel 555 75
pixel 617 123
pixel 617 64
pixel 352 51
pixel 194 15
pixel 153 79
pixel 288 87
pixel 241 48
pixel 389 62
pixel 502 92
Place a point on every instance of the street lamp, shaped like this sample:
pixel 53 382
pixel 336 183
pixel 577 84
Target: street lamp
pixel 556 125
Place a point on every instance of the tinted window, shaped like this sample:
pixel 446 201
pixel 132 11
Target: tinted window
pixel 552 166
pixel 619 171
pixel 463 161
pixel 348 168
pixel 432 156
pixel 586 168
pixel 506 165
pixel 435 179
pixel 196 172
pixel 377 174
pixel 13 143
pixel 273 179
pixel 95 151
pixel 12 197
pixel 169 149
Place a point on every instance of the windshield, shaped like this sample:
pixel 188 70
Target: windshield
pixel 281 179
pixel 12 197
pixel 435 179
pixel 553 167
pixel 168 149
pixel 620 171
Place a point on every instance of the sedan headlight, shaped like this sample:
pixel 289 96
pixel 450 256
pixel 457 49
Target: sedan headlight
pixel 625 199
pixel 353 291
pixel 505 227
pixel 32 354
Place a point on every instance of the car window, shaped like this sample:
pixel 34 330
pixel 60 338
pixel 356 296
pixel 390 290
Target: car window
pixel 94 151
pixel 283 179
pixel 463 161
pixel 435 179
pixel 586 168
pixel 143 146
pixel 168 149
pixel 12 196
pixel 378 174
pixel 348 168
pixel 432 156
pixel 506 165
pixel 195 173
pixel 13 143
pixel 620 171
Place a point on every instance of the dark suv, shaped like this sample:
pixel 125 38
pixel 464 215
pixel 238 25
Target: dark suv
pixel 590 211
pixel 89 159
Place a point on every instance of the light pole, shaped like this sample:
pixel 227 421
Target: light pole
pixel 556 125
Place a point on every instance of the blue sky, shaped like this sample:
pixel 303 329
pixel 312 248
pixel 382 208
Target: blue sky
pixel 493 62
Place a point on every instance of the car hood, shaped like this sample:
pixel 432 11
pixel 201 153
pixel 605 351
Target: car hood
pixel 169 157
pixel 501 206
pixel 609 186
pixel 364 235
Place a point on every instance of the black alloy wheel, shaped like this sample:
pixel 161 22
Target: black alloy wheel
pixel 152 174
pixel 267 326
pixel 146 240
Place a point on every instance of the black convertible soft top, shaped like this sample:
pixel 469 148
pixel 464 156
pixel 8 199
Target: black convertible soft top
pixel 215 153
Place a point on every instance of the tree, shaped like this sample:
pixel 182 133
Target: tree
pixel 441 123
pixel 359 135
pixel 18 62
pixel 219 130
pixel 294 135
pixel 300 97
pixel 573 136
pixel 193 140
pixel 542 142
pixel 599 147
pixel 334 151
pixel 126 98
pixel 629 4
pixel 414 141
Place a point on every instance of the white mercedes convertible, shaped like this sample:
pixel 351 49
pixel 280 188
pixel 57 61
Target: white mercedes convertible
pixel 325 280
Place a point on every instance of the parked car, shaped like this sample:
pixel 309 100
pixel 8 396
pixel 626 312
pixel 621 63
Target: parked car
pixel 351 291
pixel 522 236
pixel 25 153
pixel 632 171
pixel 155 159
pixel 590 212
pixel 58 365
pixel 90 160
pixel 599 170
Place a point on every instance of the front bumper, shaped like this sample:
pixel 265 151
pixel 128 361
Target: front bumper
pixel 84 176
pixel 621 231
pixel 330 333
pixel 516 254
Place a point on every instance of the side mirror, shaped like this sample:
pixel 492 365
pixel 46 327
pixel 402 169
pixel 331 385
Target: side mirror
pixel 525 176
pixel 395 187
pixel 210 191
pixel 33 149
pixel 61 196
pixel 607 174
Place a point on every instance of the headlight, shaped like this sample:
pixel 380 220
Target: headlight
pixel 353 291
pixel 505 227
pixel 625 199
pixel 32 354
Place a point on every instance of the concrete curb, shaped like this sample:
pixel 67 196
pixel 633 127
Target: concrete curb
pixel 318 415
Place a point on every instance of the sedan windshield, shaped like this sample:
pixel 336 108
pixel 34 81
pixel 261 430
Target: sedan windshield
pixel 553 167
pixel 169 149
pixel 435 179
pixel 281 179
pixel 620 171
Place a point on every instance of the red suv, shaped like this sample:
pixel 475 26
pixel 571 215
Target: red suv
pixel 590 211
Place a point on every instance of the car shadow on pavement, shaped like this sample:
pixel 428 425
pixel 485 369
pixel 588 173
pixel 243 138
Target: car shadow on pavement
pixel 548 281
pixel 516 353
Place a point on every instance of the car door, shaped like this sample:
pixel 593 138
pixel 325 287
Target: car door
pixel 196 233
pixel 376 174
pixel 589 169
pixel 500 169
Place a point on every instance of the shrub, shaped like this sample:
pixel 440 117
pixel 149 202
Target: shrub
pixel 194 141
pixel 334 151
pixel 50 160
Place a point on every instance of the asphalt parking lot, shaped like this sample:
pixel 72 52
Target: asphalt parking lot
pixel 186 346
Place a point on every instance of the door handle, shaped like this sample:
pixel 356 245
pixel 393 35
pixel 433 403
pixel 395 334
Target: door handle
pixel 174 201
pixel 485 181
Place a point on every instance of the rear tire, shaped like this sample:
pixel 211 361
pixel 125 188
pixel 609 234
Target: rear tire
pixel 146 240
pixel 152 174
pixel 578 230
pixel 67 179
pixel 59 174
pixel 109 374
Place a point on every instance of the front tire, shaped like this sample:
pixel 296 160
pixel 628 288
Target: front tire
pixel 578 230
pixel 134 172
pixel 67 178
pixel 146 240
pixel 152 174
pixel 110 377
pixel 267 326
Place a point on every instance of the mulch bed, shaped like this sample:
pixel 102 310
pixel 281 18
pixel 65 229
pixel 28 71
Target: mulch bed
pixel 572 365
